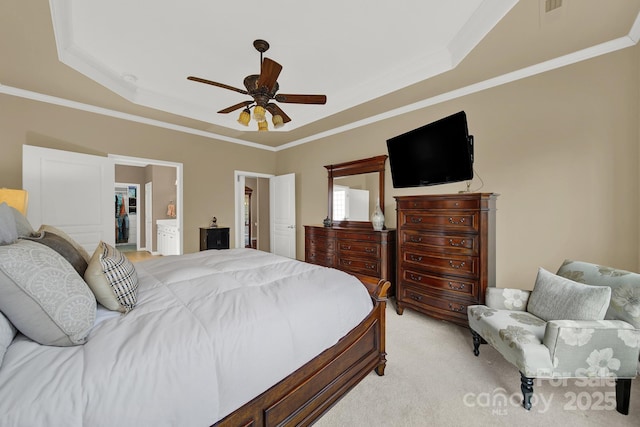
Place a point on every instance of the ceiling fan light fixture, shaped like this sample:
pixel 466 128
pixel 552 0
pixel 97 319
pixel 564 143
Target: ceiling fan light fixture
pixel 277 120
pixel 263 125
pixel 245 117
pixel 259 114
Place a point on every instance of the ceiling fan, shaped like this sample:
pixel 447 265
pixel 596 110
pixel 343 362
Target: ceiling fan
pixel 263 89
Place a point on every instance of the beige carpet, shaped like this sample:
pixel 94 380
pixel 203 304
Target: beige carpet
pixel 433 379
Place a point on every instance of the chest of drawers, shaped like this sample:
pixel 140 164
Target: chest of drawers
pixel 363 252
pixel 446 253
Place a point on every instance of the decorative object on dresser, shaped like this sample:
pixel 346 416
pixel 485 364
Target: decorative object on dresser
pixel 349 244
pixel 446 253
pixel 214 238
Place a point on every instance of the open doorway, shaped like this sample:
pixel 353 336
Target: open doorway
pixel 164 180
pixel 252 211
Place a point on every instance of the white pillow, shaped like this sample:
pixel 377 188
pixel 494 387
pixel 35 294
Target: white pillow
pixel 8 230
pixel 7 333
pixel 112 278
pixel 43 296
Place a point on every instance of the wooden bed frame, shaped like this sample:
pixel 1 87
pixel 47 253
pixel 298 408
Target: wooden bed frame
pixel 302 397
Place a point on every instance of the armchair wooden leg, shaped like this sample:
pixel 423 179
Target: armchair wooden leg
pixel 526 385
pixel 623 395
pixel 477 340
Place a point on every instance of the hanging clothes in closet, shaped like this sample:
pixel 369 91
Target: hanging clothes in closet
pixel 122 220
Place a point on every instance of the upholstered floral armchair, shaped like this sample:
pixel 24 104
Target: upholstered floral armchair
pixel 559 330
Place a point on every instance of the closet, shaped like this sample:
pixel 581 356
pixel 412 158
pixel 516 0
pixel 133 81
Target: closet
pixel 126 209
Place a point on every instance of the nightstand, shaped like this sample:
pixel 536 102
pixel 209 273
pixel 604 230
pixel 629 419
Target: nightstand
pixel 214 238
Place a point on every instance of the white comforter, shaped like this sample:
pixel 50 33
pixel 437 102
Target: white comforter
pixel 211 331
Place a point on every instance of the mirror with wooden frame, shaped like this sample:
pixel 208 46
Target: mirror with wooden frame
pixel 354 189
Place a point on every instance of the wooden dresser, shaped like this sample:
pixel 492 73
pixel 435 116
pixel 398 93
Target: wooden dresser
pixel 446 253
pixel 360 251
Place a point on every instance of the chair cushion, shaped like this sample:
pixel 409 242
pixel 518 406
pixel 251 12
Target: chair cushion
pixel 516 335
pixel 625 287
pixel 558 298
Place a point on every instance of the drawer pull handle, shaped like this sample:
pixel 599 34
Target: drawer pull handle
pixel 346 262
pixel 416 258
pixel 460 221
pixel 415 297
pixel 415 239
pixel 456 266
pixel 416 219
pixel 458 309
pixel 346 247
pixel 370 266
pixel 456 288
pixel 369 250
pixel 457 245
pixel 415 277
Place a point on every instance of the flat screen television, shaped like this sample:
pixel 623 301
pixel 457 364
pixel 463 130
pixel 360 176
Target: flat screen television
pixel 437 153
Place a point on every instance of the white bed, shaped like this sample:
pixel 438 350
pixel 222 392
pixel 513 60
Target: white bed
pixel 210 332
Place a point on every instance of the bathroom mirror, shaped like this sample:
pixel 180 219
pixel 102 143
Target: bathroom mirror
pixel 353 191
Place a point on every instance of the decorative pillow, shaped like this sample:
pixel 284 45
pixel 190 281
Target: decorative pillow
pixel 65 236
pixel 8 230
pixel 64 248
pixel 112 278
pixel 22 223
pixel 625 287
pixel 43 296
pixel 7 333
pixel 558 298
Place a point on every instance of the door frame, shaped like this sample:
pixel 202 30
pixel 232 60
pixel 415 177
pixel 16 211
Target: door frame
pixel 238 179
pixel 142 162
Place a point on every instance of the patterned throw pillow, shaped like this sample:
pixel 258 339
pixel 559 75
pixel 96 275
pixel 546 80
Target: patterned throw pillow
pixel 43 296
pixel 112 278
pixel 558 298
pixel 63 247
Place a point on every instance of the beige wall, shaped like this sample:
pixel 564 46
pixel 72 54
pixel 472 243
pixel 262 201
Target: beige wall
pixel 208 164
pixel 560 148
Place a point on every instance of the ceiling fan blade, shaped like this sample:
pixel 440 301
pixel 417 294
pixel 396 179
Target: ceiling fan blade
pixel 222 85
pixel 301 99
pixel 269 73
pixel 274 109
pixel 235 107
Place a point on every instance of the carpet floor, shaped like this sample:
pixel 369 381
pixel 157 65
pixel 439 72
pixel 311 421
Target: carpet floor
pixel 432 378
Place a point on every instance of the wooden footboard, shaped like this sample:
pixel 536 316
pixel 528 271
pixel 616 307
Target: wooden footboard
pixel 305 395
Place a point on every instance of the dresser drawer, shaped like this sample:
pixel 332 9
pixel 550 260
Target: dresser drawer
pixel 455 286
pixel 465 221
pixel 448 306
pixel 451 243
pixel 434 203
pixel 359 249
pixel 360 266
pixel 320 244
pixel 457 265
pixel 354 235
pixel 319 258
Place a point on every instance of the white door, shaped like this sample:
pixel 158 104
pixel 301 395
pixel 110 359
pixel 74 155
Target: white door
pixel 148 216
pixel 282 191
pixel 71 191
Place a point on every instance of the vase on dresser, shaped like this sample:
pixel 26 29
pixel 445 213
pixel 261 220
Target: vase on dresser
pixel 377 217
